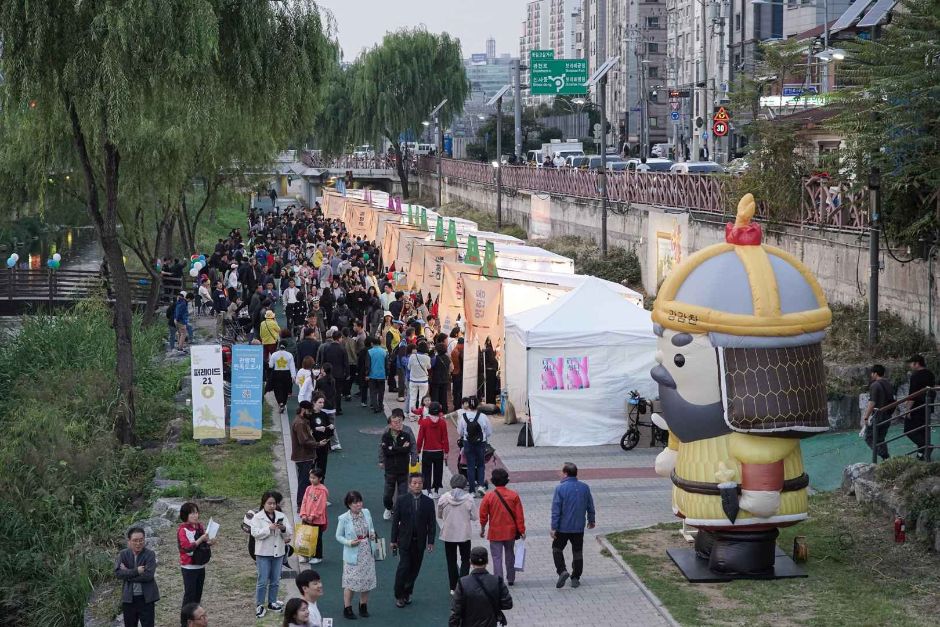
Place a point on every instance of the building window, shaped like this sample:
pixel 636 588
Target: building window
pixel 737 21
pixel 653 122
pixel 653 72
pixel 652 22
pixel 652 48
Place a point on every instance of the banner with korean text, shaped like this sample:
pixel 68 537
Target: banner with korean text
pixel 247 391
pixel 358 218
pixel 434 260
pixel 208 392
pixel 483 310
pixel 452 289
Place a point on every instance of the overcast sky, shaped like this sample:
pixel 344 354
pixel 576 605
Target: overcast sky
pixel 362 23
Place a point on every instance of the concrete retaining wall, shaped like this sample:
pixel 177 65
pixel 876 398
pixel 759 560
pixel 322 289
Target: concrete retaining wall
pixel 661 238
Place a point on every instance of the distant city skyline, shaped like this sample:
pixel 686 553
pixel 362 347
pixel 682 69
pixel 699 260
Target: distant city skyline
pixel 363 23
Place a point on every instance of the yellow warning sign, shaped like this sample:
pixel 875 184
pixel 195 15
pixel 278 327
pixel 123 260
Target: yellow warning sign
pixel 722 115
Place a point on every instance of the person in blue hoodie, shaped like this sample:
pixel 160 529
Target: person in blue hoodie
pixel 572 505
pixel 184 330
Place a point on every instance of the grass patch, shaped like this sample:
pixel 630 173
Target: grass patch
pixel 847 338
pixel 231 470
pixel 857 575
pixel 620 266
pixel 67 489
pixel 485 221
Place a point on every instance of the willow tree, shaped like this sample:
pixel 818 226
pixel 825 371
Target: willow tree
pixel 393 87
pixel 95 74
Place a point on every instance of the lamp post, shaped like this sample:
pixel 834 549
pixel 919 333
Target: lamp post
pixel 435 115
pixel 599 78
pixel 498 163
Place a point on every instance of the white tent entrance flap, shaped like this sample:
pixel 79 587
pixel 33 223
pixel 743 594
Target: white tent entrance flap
pixel 574 362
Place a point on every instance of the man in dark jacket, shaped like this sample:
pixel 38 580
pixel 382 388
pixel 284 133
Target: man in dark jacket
pixel 480 598
pixel 396 449
pixel 440 376
pixel 413 525
pixel 307 347
pixel 334 353
pixel 136 566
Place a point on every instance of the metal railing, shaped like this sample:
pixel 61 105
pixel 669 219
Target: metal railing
pixel 923 400
pixel 825 203
pixel 350 162
pixel 53 287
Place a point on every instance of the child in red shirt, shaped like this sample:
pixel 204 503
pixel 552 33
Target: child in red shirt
pixel 434 445
pixel 313 510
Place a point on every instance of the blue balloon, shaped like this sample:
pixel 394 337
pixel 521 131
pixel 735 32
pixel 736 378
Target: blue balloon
pixel 11 262
pixel 50 263
pixel 143 282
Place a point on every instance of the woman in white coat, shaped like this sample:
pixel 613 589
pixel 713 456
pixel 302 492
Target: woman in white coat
pixel 356 533
pixel 456 511
pixel 271 530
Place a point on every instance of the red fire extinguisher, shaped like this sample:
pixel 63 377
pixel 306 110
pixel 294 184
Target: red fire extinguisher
pixel 899 529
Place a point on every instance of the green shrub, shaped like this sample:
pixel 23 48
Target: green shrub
pixel 893 468
pixel 66 486
pixel 620 266
pixel 847 337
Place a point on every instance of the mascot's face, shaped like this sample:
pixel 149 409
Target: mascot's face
pixel 689 388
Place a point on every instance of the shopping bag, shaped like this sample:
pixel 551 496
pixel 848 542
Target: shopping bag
pixel 415 467
pixel 305 540
pixel 520 556
pixel 379 550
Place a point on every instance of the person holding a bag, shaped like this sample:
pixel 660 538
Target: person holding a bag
pixel 355 531
pixel 473 430
pixel 194 543
pixel 502 510
pixel 271 530
pixel 313 510
pixel 480 598
pixel 455 510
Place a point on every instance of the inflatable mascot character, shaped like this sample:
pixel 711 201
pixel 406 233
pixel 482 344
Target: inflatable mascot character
pixel 741 381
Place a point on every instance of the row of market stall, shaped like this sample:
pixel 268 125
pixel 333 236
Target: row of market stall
pixel 570 347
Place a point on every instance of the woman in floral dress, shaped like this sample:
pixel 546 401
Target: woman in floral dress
pixel 356 533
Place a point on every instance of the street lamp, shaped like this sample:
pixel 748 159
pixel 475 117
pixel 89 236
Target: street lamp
pixel 440 148
pixel 498 101
pixel 599 78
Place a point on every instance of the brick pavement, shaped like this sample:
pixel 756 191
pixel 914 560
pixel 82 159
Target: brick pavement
pixel 630 498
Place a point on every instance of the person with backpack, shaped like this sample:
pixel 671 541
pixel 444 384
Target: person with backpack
pixel 473 430
pixel 480 598
pixel 194 548
pixel 171 323
pixel 502 510
pixel 875 423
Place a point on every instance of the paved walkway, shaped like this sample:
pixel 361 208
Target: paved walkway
pixel 627 495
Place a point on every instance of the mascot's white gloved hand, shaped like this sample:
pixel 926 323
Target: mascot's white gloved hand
pixel 666 462
pixel 761 503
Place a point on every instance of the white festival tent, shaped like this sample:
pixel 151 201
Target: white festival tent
pixel 573 362
pixel 555 284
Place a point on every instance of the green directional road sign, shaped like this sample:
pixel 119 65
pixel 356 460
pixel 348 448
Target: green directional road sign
pixel 558 76
pixel 541 55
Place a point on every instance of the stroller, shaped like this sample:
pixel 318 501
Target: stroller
pixel 487 458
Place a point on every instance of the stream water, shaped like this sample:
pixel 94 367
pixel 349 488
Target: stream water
pixel 79 249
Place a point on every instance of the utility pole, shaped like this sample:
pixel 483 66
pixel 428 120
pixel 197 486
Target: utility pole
pixel 516 68
pixel 602 179
pixel 874 191
pixel 440 151
pixel 499 160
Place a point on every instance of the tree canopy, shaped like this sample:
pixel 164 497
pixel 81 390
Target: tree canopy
pixel 890 116
pixel 390 90
pixel 137 97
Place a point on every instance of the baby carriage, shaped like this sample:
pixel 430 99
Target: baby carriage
pixel 487 458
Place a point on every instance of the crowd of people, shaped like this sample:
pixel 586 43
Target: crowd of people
pixel 347 326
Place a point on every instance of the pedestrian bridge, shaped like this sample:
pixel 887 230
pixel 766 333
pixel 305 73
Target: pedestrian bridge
pixel 29 290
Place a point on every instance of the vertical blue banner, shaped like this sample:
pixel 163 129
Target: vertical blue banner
pixel 247 391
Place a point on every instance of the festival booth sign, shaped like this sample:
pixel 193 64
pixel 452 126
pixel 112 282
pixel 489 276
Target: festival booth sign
pixel 574 361
pixel 450 307
pixel 333 203
pixel 406 244
pixel 360 219
pixel 483 316
pixel 208 396
pixel 392 241
pixel 434 260
pixel 383 218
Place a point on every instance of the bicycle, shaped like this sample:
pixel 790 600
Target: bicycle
pixel 638 407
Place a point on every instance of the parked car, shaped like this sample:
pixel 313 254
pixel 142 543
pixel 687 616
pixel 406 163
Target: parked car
pixel 653 164
pixel 580 162
pixel 594 161
pixel 698 167
pixel 738 166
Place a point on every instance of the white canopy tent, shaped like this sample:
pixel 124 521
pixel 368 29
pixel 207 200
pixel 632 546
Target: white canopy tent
pixel 574 361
